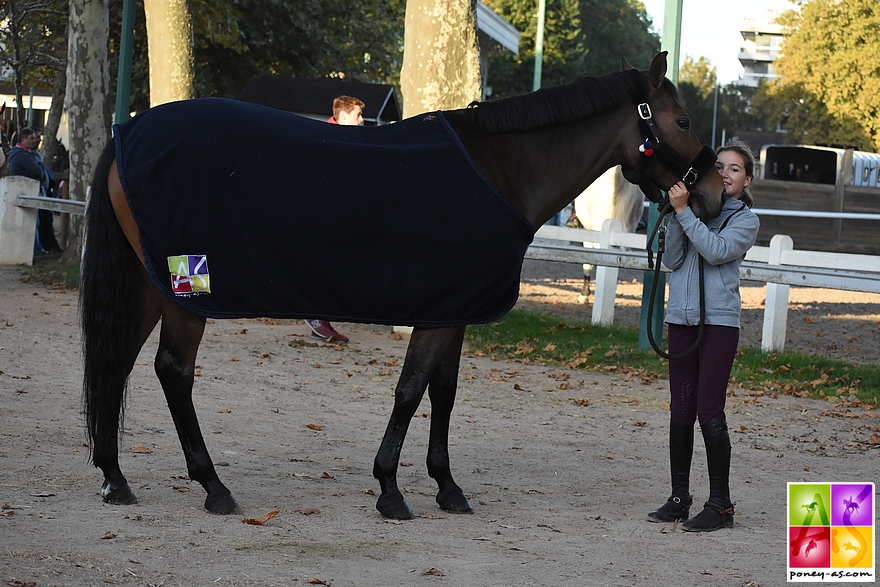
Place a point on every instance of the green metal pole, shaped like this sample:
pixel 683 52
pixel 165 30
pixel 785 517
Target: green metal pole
pixel 539 46
pixel 123 80
pixel 671 42
pixel 30 111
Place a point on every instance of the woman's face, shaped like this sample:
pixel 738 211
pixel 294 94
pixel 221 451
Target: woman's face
pixel 732 168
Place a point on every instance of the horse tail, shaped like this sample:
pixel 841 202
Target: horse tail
pixel 108 294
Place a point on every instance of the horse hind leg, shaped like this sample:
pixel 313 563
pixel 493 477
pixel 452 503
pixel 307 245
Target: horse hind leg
pixel 441 389
pixel 425 351
pixel 118 309
pixel 175 363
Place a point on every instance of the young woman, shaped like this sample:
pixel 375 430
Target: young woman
pixel 698 381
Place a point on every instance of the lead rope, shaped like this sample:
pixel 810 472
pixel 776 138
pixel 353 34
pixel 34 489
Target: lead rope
pixel 660 231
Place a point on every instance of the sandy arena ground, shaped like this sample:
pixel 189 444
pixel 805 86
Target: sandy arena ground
pixel 561 466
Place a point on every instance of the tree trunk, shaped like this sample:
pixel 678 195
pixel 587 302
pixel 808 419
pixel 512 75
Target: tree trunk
pixel 441 58
pixel 169 42
pixel 88 81
pixel 53 120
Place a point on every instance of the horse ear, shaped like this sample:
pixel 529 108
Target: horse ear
pixel 658 70
pixel 625 65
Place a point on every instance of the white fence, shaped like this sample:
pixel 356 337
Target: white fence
pixel 779 266
pixel 19 202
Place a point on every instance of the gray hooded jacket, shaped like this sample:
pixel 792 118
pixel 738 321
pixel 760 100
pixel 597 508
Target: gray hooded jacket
pixel 723 250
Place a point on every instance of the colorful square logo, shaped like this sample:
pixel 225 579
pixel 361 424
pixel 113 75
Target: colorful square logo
pixel 189 275
pixel 831 532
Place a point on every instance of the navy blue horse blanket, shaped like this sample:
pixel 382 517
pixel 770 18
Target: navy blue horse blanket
pixel 246 211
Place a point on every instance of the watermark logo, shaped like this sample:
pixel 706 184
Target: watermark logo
pixel 831 532
pixel 189 275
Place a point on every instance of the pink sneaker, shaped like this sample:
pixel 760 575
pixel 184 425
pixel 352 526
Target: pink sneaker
pixel 324 330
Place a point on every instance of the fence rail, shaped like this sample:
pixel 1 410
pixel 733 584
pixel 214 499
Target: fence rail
pixel 53 204
pixel 780 266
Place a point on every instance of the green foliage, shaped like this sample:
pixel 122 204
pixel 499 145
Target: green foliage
pixel 305 38
pixel 54 274
pixel 234 41
pixel 531 338
pixel 587 37
pixel 34 39
pixel 33 44
pixel 828 90
pixel 699 74
pixel 806 117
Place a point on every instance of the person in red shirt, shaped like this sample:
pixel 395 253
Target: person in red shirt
pixel 347 111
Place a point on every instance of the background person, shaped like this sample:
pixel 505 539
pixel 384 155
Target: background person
pixel 698 382
pixel 24 159
pixel 347 111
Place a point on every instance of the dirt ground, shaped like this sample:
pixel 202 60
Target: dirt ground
pixel 560 486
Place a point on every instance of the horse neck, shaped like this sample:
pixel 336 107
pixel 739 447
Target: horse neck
pixel 541 171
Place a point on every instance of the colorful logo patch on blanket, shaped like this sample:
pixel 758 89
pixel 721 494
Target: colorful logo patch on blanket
pixel 189 275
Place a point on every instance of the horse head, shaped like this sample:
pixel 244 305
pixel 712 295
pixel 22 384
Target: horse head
pixel 664 148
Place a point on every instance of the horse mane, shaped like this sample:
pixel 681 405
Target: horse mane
pixel 584 97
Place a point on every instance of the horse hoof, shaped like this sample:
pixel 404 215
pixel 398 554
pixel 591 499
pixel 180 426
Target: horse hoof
pixel 222 505
pixel 118 495
pixel 454 503
pixel 394 509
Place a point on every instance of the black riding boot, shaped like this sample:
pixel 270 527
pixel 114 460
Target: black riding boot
pixel 718 511
pixel 681 449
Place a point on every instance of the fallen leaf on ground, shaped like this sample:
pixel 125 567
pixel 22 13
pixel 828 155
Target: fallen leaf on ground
pixel 432 571
pixel 638 423
pixel 314 427
pixel 225 411
pixel 108 536
pixel 140 449
pixel 16 582
pixel 263 520
pixel 327 475
pixel 316 581
pixel 180 488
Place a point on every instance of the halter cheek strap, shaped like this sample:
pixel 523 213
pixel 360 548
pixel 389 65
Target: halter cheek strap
pixel 653 150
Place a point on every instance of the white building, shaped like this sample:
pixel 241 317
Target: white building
pixel 762 43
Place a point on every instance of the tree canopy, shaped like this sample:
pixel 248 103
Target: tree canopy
pixel 828 89
pixel 233 41
pixel 581 37
pixel 696 86
pixel 33 43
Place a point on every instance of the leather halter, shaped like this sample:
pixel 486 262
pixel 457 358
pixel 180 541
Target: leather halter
pixel 654 149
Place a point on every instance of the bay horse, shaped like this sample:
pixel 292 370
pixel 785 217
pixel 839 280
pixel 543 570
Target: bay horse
pixel 535 153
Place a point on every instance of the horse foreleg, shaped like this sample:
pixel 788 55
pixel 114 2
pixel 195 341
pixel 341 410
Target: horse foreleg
pixel 441 390
pixel 425 351
pixel 175 366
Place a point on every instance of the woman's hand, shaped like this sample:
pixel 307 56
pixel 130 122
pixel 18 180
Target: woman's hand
pixel 678 197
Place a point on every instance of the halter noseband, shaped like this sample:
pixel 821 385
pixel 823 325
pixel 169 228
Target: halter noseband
pixel 653 149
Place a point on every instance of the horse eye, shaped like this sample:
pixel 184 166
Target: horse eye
pixel 684 124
